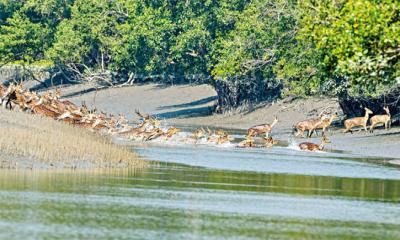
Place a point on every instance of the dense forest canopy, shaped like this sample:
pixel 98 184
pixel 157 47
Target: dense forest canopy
pixel 249 50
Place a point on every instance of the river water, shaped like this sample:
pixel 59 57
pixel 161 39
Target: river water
pixel 203 192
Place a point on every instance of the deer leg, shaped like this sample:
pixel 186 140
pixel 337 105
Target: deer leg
pixel 371 128
pixel 298 132
pixel 9 103
pixel 310 133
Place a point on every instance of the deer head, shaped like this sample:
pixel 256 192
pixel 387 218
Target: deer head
pixel 386 110
pixel 57 94
pixel 368 111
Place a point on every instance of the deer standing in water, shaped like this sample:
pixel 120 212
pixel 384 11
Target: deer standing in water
pixel 218 137
pixel 269 142
pixel 171 132
pixel 199 133
pixel 377 119
pixel 262 129
pixel 308 146
pixel 357 121
pixel 248 142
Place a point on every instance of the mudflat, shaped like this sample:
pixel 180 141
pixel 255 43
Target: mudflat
pixel 192 105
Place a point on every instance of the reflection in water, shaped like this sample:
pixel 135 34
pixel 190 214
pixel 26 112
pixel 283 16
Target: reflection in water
pixel 172 201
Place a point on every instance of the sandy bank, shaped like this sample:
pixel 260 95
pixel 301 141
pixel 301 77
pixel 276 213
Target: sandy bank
pixel 186 105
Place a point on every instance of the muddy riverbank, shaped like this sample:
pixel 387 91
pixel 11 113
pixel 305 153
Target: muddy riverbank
pixel 187 105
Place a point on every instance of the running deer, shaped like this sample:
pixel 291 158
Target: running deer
pixel 199 133
pixel 308 146
pixel 262 129
pixel 357 121
pixel 326 122
pixel 171 132
pixel 377 119
pixel 153 134
pixel 147 118
pixel 218 137
pixel 248 142
pixel 307 125
pixel 39 108
pixel 269 142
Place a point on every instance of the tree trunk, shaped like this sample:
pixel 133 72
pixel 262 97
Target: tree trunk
pixel 354 106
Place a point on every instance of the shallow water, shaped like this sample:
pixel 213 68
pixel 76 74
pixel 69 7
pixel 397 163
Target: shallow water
pixel 203 192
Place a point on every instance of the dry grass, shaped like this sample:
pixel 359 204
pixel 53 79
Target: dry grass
pixel 31 141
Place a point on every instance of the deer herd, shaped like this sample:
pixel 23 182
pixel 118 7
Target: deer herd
pixel 149 128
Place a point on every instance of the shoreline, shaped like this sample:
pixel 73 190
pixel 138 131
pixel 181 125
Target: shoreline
pixel 190 105
pixel 31 141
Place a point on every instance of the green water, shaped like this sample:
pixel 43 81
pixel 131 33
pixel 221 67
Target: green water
pixel 204 196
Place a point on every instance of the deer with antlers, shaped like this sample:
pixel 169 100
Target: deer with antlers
pixel 357 121
pixel 262 129
pixel 310 125
pixel 384 119
pixel 308 146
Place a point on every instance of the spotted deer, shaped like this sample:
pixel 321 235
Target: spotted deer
pixel 262 129
pixel 308 146
pixel 308 125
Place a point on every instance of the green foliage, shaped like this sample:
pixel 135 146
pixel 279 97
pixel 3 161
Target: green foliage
pixel 142 44
pixel 22 40
pixel 291 47
pixel 86 37
pixel 264 44
pixel 360 40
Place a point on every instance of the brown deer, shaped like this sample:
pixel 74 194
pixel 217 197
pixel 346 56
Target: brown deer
pixel 357 121
pixel 306 125
pixel 248 142
pixel 269 142
pixel 377 119
pixel 218 137
pixel 308 146
pixel 148 118
pixel 3 92
pixel 262 129
pixel 134 132
pixel 40 108
pixel 153 134
pixel 199 133
pixel 171 132
pixel 326 122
